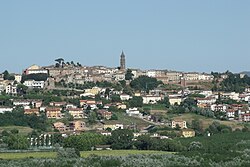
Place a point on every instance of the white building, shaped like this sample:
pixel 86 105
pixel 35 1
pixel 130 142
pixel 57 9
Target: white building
pixel 205 77
pixel 125 97
pixel 230 114
pixel 21 102
pixel 133 112
pixel 18 78
pixel 35 69
pixel 206 93
pixel 34 84
pixel 11 89
pixel 151 99
pixel 151 73
pixel 231 95
pixel 208 100
pixel 4 109
pixel 175 100
pixel 119 76
pixel 219 107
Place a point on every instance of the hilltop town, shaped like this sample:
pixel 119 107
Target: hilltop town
pixel 66 99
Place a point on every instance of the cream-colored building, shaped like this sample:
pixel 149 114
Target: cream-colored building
pixel 53 112
pixel 76 112
pixel 94 90
pixel 175 100
pixel 182 124
pixel 188 133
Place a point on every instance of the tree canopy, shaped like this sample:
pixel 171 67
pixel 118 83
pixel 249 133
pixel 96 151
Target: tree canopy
pixel 145 83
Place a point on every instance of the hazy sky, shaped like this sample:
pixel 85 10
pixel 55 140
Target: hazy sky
pixel 185 35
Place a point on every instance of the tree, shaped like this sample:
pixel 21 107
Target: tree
pixel 165 101
pixel 92 117
pixel 145 83
pixel 16 142
pixel 7 76
pixel 129 75
pixel 68 153
pixel 115 98
pixel 144 142
pixel 121 139
pixel 135 101
pixel 123 83
pixel 114 117
pixel 84 141
pixel 197 126
pixel 59 61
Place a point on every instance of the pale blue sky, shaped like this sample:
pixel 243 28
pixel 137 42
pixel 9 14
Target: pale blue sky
pixel 185 35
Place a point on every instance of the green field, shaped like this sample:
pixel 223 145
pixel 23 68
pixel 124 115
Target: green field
pixel 22 130
pixel 83 154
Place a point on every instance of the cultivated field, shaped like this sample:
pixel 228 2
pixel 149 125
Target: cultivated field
pixel 83 154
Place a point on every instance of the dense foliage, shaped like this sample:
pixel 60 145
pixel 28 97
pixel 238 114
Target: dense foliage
pixel 84 141
pixel 145 83
pixel 233 83
pixel 18 118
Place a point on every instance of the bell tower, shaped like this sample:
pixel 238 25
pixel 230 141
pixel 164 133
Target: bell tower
pixel 122 62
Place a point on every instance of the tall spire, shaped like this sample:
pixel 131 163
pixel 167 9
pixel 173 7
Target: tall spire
pixel 122 61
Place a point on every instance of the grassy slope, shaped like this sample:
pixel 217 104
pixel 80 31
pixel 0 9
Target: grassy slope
pixel 206 121
pixel 83 154
pixel 22 130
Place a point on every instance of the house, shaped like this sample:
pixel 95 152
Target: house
pixel 113 126
pixel 35 69
pixel 247 89
pixel 18 78
pixel 245 117
pixel 125 97
pixel 94 91
pixel 151 99
pixel 76 112
pixel 182 124
pixel 230 113
pixel 207 100
pixel 11 89
pixel 105 114
pixel 31 111
pixel 219 107
pixel 103 147
pixel 133 112
pixel 60 126
pixel 245 97
pixel 121 106
pixel 137 134
pixel 106 133
pixel 92 103
pixel 4 109
pixel 34 84
pixel 70 106
pixel 57 104
pixel 175 100
pixel 188 133
pixel 53 112
pixel 21 102
pixel 37 103
pixel 231 95
pixel 77 125
pixel 242 107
